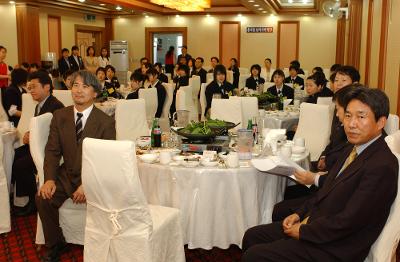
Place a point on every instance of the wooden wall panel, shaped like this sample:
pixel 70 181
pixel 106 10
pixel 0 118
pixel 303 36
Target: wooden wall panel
pixel 354 40
pixel 383 44
pixel 28 33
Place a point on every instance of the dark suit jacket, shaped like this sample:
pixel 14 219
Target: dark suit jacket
pixel 74 65
pixel 163 78
pixel 287 91
pixel 51 105
pixel 13 96
pixel 325 92
pixel 298 80
pixel 348 213
pixel 236 75
pixel 252 83
pixel 133 95
pixel 62 143
pixel 63 66
pixel 202 73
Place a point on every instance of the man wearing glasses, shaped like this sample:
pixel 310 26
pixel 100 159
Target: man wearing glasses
pixel 68 128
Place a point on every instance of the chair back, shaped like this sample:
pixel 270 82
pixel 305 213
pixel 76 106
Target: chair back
pixel 249 108
pixel 64 96
pixel 268 85
pixel 244 71
pixel 168 76
pixel 384 248
pixel 28 111
pixel 392 124
pixel 184 101
pixel 130 119
pixel 314 126
pixel 210 77
pixel 228 110
pixel 3 114
pixel 118 224
pixel 203 101
pixel 325 101
pixel 195 83
pixel 150 96
pixel 168 100
pixel 229 76
pixel 242 80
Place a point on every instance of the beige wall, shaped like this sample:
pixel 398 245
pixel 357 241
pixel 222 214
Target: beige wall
pixel 317 37
pixel 8 29
pixel 68 22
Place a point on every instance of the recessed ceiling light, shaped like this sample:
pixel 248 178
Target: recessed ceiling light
pixel 12 2
pixel 82 1
pixel 118 8
pixel 305 1
pixel 256 5
pixel 290 1
pixel 264 12
pixel 208 15
pixel 251 1
pixel 146 16
pixel 239 15
pixel 177 16
pixel 260 8
pixel 102 4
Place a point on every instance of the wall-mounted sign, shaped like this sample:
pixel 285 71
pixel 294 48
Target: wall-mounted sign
pixel 260 29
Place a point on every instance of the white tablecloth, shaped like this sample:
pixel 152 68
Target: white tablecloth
pixel 217 205
pixel 277 122
pixel 6 159
pixel 107 107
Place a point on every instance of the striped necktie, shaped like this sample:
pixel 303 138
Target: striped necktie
pixel 78 127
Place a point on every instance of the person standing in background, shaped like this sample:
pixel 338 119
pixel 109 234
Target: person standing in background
pixel 184 54
pixel 90 61
pixel 63 63
pixel 75 59
pixel 170 60
pixel 104 59
pixel 236 73
pixel 4 73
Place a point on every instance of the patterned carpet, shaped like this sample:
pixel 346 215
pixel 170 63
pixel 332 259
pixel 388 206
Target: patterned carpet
pixel 18 246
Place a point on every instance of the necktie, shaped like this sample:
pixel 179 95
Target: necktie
pixel 279 92
pixel 37 110
pixel 352 156
pixel 78 127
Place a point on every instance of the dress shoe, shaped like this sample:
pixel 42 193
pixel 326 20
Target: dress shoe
pixel 27 210
pixel 53 254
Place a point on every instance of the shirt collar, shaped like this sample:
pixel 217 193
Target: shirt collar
pixel 85 112
pixel 40 105
pixel 155 83
pixel 361 148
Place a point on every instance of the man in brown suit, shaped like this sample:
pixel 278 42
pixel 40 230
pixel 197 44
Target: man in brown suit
pixel 68 128
pixel 346 216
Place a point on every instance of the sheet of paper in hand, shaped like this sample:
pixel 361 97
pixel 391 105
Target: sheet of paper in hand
pixel 277 165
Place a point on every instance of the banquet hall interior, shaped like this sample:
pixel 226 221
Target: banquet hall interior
pixel 185 130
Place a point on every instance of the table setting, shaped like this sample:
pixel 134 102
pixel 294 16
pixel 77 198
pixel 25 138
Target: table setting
pixel 215 184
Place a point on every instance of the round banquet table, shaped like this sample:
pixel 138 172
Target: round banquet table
pixel 277 122
pixel 217 204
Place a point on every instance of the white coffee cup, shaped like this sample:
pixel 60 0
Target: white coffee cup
pixel 232 160
pixel 261 112
pixel 299 141
pixel 286 151
pixel 165 157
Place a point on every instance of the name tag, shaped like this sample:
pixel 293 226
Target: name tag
pixel 110 90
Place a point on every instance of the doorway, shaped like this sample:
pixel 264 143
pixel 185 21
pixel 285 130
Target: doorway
pixel 86 36
pixel 159 39
pixel 288 43
pixel 229 42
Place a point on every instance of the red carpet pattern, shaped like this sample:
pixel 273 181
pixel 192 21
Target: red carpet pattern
pixel 19 246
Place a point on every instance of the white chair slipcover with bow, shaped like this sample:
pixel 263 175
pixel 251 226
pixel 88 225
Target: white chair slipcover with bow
pixel 72 216
pixel 315 127
pixel 130 119
pixel 120 225
pixel 150 97
pixel 64 96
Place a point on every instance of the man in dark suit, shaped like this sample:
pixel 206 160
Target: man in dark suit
pixel 294 78
pixel 199 71
pixel 345 217
pixel 75 60
pixel 68 128
pixel 23 169
pixel 152 75
pixel 13 95
pixel 184 55
pixel 63 63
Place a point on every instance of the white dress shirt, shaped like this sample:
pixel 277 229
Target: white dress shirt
pixel 85 116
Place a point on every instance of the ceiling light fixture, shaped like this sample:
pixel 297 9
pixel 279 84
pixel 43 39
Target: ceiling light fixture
pixel 184 6
pixel 82 1
pixel 264 12
pixel 102 4
pixel 256 5
pixel 260 8
pixel 305 1
pixel 251 1
pixel 208 15
pixel 177 16
pixel 290 1
pixel 239 15
pixel 12 2
pixel 146 16
pixel 118 8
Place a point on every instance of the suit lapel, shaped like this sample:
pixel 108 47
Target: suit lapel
pixel 70 125
pixel 90 126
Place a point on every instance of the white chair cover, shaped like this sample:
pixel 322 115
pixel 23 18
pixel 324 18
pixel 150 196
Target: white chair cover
pixel 130 119
pixel 314 126
pixel 210 77
pixel 5 221
pixel 184 101
pixel 327 73
pixel 195 83
pixel 286 71
pixel 3 114
pixel 268 85
pixel 242 80
pixel 150 97
pixel 64 96
pixel 72 216
pixel 169 76
pixel 168 100
pixel 203 102
pixel 265 75
pixel 325 101
pixel 249 108
pixel 244 71
pixel 384 248
pixel 121 226
pixel 227 109
pixel 28 111
pixel 392 124
pixel 229 76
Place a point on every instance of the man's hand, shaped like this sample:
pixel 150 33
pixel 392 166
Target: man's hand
pixel 48 189
pixel 321 164
pixel 25 139
pixel 293 231
pixel 78 196
pixel 304 177
pixel 289 221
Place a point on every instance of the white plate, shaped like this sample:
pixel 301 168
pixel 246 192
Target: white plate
pixel 148 158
